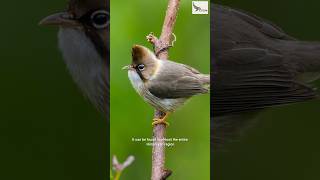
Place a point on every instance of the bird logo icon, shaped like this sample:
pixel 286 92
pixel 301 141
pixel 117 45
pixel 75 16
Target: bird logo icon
pixel 199 7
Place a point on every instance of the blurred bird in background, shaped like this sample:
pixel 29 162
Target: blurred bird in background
pixel 255 65
pixel 84 42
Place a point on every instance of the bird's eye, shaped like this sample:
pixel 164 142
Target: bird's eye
pixel 100 19
pixel 141 67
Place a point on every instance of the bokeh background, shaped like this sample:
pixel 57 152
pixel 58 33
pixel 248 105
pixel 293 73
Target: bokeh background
pixel 48 131
pixel 285 142
pixel 131 117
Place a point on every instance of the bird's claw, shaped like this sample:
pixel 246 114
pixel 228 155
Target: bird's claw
pixel 157 121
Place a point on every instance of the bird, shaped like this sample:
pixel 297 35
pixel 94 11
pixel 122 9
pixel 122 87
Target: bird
pixel 84 42
pixel 196 7
pixel 255 65
pixel 164 84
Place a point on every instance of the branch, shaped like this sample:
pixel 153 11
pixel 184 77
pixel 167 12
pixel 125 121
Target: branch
pixel 161 47
pixel 118 167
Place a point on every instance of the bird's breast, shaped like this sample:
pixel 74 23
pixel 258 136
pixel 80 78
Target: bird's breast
pixel 137 82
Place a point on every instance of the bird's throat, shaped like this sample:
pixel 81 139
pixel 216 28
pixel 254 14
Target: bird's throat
pixel 84 62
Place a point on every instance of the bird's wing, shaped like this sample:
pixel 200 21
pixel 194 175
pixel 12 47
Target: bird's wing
pixel 246 23
pixel 178 81
pixel 264 26
pixel 247 79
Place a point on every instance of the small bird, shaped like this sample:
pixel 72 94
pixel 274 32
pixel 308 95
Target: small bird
pixel 255 65
pixel 164 84
pixel 84 42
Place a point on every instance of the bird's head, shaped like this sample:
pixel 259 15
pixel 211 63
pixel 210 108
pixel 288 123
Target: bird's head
pixel 89 16
pixel 144 62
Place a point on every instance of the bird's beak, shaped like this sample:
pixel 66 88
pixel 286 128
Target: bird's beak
pixel 63 19
pixel 129 67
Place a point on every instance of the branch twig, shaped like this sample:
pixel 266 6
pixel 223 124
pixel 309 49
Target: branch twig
pixel 118 167
pixel 161 46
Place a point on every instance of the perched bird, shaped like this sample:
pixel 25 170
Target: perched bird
pixel 165 85
pixel 255 65
pixel 84 42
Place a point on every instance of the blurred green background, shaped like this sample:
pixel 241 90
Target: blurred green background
pixel 131 117
pixel 285 142
pixel 48 131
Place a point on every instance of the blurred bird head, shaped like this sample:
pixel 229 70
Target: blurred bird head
pixel 84 42
pixel 89 16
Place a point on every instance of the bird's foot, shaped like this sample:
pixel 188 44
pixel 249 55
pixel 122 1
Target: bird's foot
pixel 157 121
pixel 161 120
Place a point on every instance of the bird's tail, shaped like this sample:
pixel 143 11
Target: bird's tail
pixel 205 79
pixel 306 59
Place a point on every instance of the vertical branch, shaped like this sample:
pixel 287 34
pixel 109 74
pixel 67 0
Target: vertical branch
pixel 161 46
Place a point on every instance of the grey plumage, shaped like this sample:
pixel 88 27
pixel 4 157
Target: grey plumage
pixel 178 80
pixel 255 65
